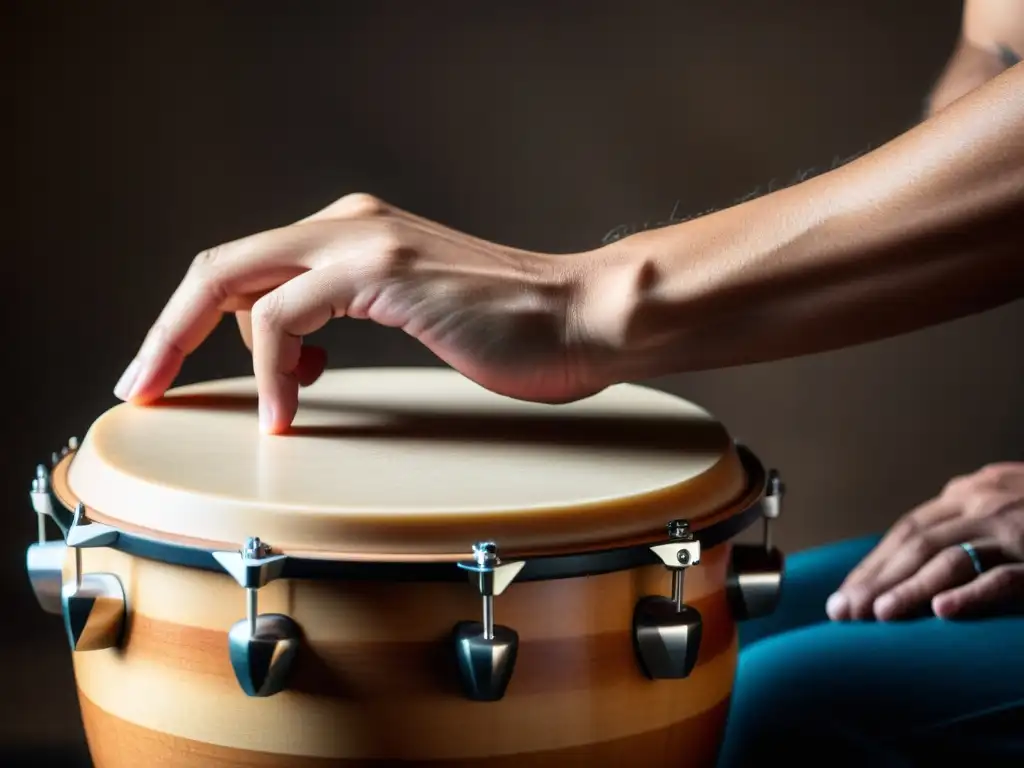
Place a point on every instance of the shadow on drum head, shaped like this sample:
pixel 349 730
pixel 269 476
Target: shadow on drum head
pixel 661 432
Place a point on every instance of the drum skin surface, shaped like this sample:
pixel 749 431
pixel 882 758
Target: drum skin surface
pixel 409 462
pixel 404 465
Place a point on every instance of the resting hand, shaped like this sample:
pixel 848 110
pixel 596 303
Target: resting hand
pixel 921 562
pixel 507 319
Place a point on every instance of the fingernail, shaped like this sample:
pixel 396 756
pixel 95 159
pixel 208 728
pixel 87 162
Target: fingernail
pixel 836 606
pixel 126 384
pixel 266 417
pixel 883 606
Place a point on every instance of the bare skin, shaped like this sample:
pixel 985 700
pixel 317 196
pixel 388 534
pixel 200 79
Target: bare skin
pixel 919 565
pixel 991 40
pixel 831 262
pixel 923 230
pixel 934 214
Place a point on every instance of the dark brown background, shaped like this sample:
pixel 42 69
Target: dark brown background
pixel 144 132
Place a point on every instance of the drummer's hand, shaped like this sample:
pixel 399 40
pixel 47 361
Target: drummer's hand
pixel 505 318
pixel 920 563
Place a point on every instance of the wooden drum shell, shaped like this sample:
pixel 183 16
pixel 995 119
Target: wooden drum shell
pixel 375 681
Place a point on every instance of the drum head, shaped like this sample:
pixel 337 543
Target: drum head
pixel 407 464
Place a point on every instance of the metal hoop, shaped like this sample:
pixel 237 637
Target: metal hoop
pixel 537 568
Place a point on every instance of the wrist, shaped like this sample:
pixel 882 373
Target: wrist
pixel 670 300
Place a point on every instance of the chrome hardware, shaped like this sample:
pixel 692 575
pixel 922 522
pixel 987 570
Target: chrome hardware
pixel 486 652
pixel 44 560
pixel 667 632
pixel 93 604
pixel 71 447
pixel 754 578
pixel 262 647
pixel 42 500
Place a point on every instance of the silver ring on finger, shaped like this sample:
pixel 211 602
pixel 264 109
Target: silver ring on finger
pixel 975 560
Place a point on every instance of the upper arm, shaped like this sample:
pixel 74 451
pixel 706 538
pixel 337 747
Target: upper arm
pixel 995 26
pixel 991 40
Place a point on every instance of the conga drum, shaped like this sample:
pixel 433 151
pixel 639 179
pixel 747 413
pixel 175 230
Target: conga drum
pixel 419 572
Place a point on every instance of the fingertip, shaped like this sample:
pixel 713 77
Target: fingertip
pixel 885 608
pixel 125 386
pixel 145 398
pixel 943 606
pixel 273 420
pixel 278 404
pixel 147 380
pixel 860 603
pixel 265 415
pixel 837 607
pixel 273 428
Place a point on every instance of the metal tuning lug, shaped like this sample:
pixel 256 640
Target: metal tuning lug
pixel 667 632
pixel 754 577
pixel 486 652
pixel 263 646
pixel 42 500
pixel 44 560
pixel 93 604
pixel 57 456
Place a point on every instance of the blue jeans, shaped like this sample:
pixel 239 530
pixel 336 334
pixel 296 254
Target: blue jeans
pixel 910 693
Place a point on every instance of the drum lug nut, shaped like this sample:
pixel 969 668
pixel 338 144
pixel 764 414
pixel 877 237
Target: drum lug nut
pixel 44 560
pixel 754 577
pixel 42 500
pixel 262 647
pixel 486 652
pixel 57 456
pixel 93 604
pixel 667 632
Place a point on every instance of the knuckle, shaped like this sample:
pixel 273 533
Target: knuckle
pixel 1008 530
pixel 362 205
pixel 918 548
pixel 956 485
pixel 905 529
pixel 985 503
pixel 1003 578
pixel 991 475
pixel 952 558
pixel 393 253
pixel 267 313
pixel 1002 469
pixel 207 260
pixel 205 272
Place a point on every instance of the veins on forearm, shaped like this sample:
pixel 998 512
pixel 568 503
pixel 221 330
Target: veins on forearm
pixel 625 230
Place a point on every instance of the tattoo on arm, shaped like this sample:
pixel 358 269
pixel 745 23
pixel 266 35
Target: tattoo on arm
pixel 625 230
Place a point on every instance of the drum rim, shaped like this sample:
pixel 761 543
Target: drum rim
pixel 589 560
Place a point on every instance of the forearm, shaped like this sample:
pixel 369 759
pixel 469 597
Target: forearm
pixel 926 229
